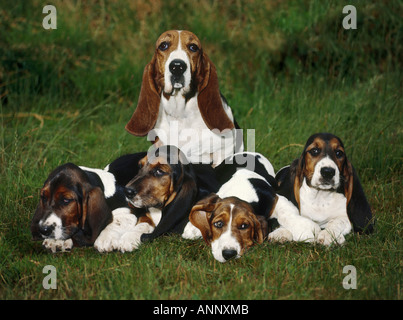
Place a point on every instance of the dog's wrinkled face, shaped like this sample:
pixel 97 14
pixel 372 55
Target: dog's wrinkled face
pixel 229 225
pixel 325 161
pixel 59 211
pixel 177 57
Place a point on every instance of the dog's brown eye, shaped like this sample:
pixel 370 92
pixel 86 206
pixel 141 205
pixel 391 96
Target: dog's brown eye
pixel 339 153
pixel 158 172
pixel 314 151
pixel 192 47
pixel 243 226
pixel 66 201
pixel 218 224
pixel 163 46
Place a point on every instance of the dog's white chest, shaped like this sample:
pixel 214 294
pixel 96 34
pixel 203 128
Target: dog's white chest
pixel 177 109
pixel 321 206
pixel 180 124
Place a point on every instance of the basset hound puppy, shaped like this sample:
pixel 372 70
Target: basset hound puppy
pixel 75 205
pixel 325 188
pixel 180 102
pixel 236 218
pixel 161 195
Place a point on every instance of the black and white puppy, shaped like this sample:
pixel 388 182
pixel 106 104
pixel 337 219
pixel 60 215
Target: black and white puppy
pixel 76 204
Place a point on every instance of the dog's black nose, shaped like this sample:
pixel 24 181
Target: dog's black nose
pixel 46 230
pixel 229 253
pixel 130 192
pixel 327 172
pixel 177 67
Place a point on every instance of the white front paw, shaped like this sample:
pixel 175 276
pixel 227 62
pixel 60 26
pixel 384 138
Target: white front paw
pixel 280 235
pixel 306 231
pixel 58 245
pixel 103 244
pixel 328 238
pixel 108 240
pixel 191 232
pixel 129 241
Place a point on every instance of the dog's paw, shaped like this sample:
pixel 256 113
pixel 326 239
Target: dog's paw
pixel 306 231
pixel 108 240
pixel 191 232
pixel 130 241
pixel 327 238
pixel 104 244
pixel 280 235
pixel 58 245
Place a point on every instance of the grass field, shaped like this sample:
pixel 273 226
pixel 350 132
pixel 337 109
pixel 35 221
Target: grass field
pixel 288 70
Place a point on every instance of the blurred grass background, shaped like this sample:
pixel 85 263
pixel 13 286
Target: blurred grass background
pixel 288 70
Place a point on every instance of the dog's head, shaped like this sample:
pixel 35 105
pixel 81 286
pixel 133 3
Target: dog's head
pixel 179 66
pixel 178 57
pixel 69 203
pixel 324 165
pixel 229 225
pixel 161 176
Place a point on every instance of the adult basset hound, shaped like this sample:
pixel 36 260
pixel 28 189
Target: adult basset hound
pixel 180 102
pixel 161 195
pixel 325 187
pixel 75 206
pixel 236 218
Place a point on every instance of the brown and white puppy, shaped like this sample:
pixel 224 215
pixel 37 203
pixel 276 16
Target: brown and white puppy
pixel 75 206
pixel 324 186
pixel 180 102
pixel 228 225
pixel 236 218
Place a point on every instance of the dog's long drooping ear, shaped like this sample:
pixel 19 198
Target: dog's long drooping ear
pixel 348 177
pixel 297 171
pixel 209 97
pixel 174 215
pixel 358 208
pixel 95 216
pixel 146 113
pixel 201 213
pixel 289 181
pixel 261 229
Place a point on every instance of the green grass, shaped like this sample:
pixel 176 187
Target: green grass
pixel 288 70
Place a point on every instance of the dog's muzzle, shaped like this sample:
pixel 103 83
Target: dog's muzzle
pixel 229 254
pixel 177 68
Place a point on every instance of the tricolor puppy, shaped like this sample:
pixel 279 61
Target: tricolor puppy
pixel 180 99
pixel 75 206
pixel 166 187
pixel 235 218
pixel 324 186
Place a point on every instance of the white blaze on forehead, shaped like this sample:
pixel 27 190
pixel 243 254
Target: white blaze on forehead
pixel 178 53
